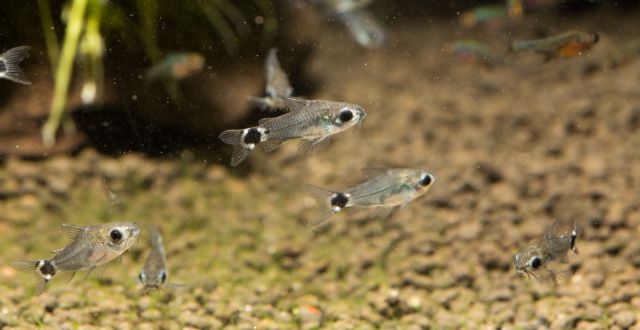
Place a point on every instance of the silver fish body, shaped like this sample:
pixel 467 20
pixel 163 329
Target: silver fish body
pixel 90 247
pixel 364 28
pixel 9 64
pixel 278 85
pixel 154 273
pixel 387 189
pixel 310 121
pixel 534 260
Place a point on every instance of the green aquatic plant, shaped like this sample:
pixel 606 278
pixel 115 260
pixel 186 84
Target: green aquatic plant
pixel 89 22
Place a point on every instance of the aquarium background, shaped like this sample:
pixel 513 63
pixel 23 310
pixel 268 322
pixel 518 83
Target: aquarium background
pixel 515 143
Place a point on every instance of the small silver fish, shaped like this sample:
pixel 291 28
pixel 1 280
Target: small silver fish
pixel 155 273
pixel 90 247
pixel 9 64
pixel 311 121
pixel 278 85
pixel 364 28
pixel 385 189
pixel 534 260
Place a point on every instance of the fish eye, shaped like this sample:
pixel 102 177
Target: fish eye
pixel 535 262
pixel 345 115
pixel 116 235
pixel 426 180
pixel 163 277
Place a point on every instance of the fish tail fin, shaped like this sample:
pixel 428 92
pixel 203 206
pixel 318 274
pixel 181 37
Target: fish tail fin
pixel 240 151
pixel 156 237
pixel 42 270
pixel 331 202
pixel 9 64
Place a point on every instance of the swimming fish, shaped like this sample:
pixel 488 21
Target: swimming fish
pixel 90 247
pixel 9 64
pixel 177 66
pixel 557 240
pixel 475 52
pixel 155 273
pixel 491 16
pixel 278 85
pixel 566 44
pixel 311 121
pixel 364 28
pixel 386 189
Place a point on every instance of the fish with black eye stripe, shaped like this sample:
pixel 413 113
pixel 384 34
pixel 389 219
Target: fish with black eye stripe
pixel 312 122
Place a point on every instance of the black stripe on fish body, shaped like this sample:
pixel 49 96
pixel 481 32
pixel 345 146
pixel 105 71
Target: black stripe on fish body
pixel 3 66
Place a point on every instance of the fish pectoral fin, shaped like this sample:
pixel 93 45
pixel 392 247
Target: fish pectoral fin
pixel 56 250
pixel 354 210
pixel 383 212
pixel 97 270
pixel 372 172
pixel 270 145
pixel 73 231
pixel 307 146
pixel 68 276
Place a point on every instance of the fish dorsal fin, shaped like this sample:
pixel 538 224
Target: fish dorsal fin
pixel 372 172
pixel 295 103
pixel 73 231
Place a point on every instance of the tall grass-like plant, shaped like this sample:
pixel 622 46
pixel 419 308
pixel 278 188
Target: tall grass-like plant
pixel 87 21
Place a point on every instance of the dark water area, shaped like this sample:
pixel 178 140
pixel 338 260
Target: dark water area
pixel 527 122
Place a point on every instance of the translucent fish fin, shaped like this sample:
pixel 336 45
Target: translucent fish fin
pixel 372 172
pixel 25 266
pixel 97 271
pixel 68 276
pixel 294 103
pixel 383 212
pixel 56 250
pixel 29 267
pixel 271 145
pixel 73 231
pixel 355 210
pixel 307 146
pixel 9 64
pixel 238 155
pixel 323 197
pixel 156 237
pixel 231 136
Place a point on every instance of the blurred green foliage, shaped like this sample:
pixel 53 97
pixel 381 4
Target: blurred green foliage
pixel 144 28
